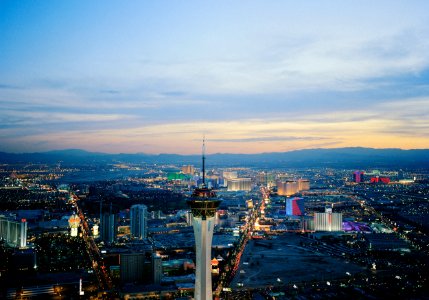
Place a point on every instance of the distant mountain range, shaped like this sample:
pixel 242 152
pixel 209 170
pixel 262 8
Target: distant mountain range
pixel 355 157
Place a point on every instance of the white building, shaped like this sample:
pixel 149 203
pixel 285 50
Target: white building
pixel 14 233
pixel 239 184
pixel 328 221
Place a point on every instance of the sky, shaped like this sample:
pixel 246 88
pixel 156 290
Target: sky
pixel 251 76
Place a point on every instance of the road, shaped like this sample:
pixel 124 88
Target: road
pixel 103 277
pixel 228 274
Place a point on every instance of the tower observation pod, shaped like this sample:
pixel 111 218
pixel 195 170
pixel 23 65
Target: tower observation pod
pixel 203 206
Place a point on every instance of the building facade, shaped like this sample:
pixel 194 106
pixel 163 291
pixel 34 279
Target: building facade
pixel 328 221
pixel 239 184
pixel 156 268
pixel 14 233
pixel 287 188
pixel 188 169
pixel 74 222
pixel 132 267
pixel 295 206
pixel 138 221
pixel 108 227
pixel 358 176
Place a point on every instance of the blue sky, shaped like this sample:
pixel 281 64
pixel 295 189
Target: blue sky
pixel 253 76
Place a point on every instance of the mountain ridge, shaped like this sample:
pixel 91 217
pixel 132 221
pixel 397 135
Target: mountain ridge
pixel 317 157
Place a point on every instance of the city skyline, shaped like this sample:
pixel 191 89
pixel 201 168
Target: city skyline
pixel 153 77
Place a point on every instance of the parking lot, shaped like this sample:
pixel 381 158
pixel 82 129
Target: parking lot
pixel 282 261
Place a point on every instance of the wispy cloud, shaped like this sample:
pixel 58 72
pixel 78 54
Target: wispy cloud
pixel 288 75
pixel 269 139
pixel 9 86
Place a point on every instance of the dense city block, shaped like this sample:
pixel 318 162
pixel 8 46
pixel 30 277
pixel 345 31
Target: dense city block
pixel 126 231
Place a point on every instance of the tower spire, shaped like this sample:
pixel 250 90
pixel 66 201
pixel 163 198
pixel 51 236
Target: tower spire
pixel 204 161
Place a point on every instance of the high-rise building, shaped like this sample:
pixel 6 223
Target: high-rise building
pixel 132 267
pixel 295 206
pixel 14 233
pixel 203 207
pixel 189 218
pixel 188 169
pixel 303 184
pixel 239 184
pixel 290 187
pixel 108 224
pixel 138 225
pixel 287 188
pixel 156 268
pixel 358 176
pixel 328 221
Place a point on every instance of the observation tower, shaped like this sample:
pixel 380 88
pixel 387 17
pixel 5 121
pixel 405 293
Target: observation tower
pixel 203 206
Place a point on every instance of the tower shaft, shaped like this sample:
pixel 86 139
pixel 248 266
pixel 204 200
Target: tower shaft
pixel 203 231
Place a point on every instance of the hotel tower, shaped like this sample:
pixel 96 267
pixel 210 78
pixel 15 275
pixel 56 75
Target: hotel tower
pixel 203 208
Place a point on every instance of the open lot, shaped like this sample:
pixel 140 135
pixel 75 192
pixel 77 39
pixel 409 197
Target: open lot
pixel 282 261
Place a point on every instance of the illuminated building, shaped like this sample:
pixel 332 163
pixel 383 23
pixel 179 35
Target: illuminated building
pixel 379 179
pixel 295 206
pixel 189 218
pixel 138 226
pixel 203 207
pixel 358 176
pixel 95 230
pixel 14 233
pixel 290 187
pixel 229 174
pixel 265 179
pixel 303 184
pixel 74 222
pixel 188 169
pixel 287 188
pixel 81 292
pixel 328 221
pixel 215 266
pixel 239 184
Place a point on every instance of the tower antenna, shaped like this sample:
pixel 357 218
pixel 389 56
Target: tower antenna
pixel 204 161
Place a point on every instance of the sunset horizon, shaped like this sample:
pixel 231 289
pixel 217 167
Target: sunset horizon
pixel 253 77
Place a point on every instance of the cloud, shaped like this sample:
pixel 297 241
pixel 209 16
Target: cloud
pixel 285 76
pixel 9 86
pixel 269 139
pixel 113 92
